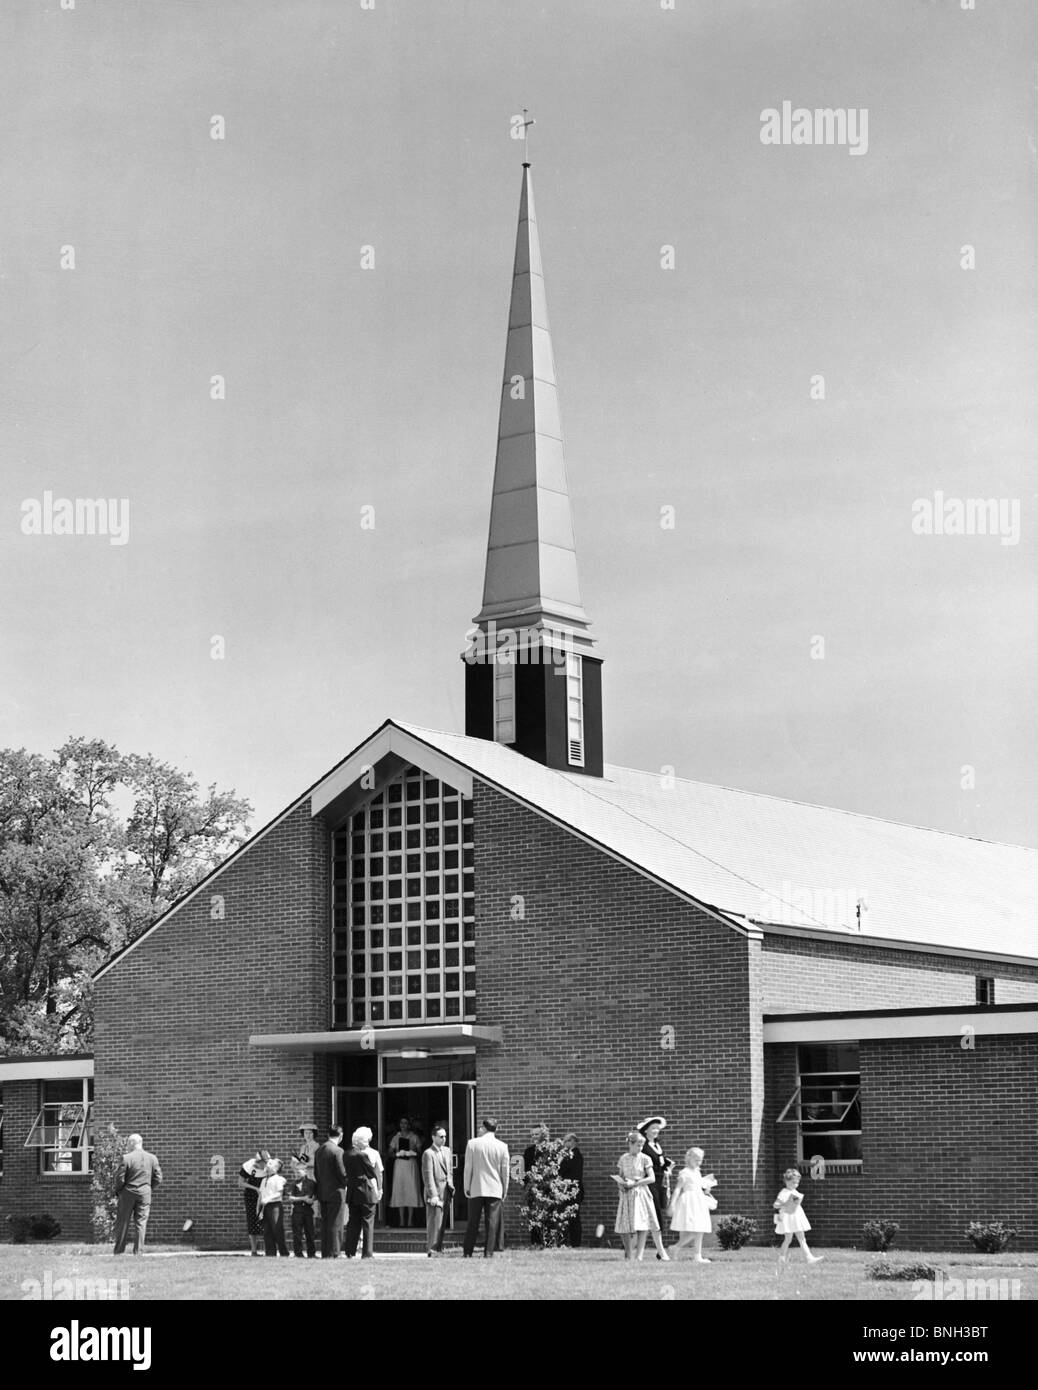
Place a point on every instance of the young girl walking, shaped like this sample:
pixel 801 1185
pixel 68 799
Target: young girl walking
pixel 790 1220
pixel 635 1213
pixel 691 1205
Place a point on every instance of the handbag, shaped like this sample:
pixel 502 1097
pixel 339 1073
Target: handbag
pixel 711 1201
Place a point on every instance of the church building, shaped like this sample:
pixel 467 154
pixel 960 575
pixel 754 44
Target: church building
pixel 499 922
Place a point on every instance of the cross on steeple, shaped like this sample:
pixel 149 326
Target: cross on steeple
pixel 526 138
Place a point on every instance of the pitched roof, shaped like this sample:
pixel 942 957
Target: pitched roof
pixel 762 859
pixel 752 858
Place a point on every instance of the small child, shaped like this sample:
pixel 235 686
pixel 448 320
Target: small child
pixel 301 1196
pixel 691 1205
pixel 269 1206
pixel 790 1220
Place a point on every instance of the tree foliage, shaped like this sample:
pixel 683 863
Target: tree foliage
pixel 94 846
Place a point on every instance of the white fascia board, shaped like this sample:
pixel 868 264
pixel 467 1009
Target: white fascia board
pixel 55 1069
pixel 862 1028
pixel 389 740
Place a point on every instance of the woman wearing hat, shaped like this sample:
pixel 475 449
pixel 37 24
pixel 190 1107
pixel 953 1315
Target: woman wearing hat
pixel 308 1146
pixel 651 1128
pixel 250 1175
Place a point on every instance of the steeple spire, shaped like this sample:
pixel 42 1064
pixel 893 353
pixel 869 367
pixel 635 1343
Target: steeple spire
pixel 531 570
pixel 533 681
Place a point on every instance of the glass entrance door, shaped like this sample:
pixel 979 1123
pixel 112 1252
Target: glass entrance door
pixel 460 1130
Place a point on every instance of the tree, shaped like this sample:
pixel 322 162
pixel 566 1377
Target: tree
pixel 78 881
pixel 109 1148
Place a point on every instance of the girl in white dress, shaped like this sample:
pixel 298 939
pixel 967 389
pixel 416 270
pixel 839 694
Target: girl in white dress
pixel 691 1205
pixel 790 1220
pixel 635 1213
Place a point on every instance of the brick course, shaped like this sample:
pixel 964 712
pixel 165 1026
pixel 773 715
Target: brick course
pixel 173 1020
pixel 24 1189
pixel 949 1136
pixel 801 975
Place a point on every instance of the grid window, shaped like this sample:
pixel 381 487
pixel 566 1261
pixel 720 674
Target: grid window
pixel 399 976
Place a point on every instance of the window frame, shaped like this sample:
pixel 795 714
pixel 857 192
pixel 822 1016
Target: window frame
pixel 575 745
pixel 848 1084
pixel 985 991
pixel 73 1132
pixel 503 691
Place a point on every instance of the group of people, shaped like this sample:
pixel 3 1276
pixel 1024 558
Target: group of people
pixel 347 1186
pixel 650 1188
pixel 323 1176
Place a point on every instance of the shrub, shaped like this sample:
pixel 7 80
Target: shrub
pixel 549 1202
pixel 989 1237
pixel 882 1269
pixel 734 1231
pixel 879 1235
pixel 109 1148
pixel 38 1226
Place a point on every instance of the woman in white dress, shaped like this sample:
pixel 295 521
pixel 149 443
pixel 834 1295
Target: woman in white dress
pixel 405 1196
pixel 636 1214
pixel 790 1220
pixel 691 1205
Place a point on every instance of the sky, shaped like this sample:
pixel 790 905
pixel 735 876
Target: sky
pixel 692 387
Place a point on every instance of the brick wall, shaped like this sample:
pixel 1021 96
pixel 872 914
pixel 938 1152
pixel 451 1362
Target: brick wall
pixel 949 1136
pixel 24 1190
pixel 173 1019
pixel 603 970
pixel 801 975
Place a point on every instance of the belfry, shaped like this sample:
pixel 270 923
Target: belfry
pixel 533 680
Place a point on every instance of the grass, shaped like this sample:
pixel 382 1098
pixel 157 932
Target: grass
pixel 748 1274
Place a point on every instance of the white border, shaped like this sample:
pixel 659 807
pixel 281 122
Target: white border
pixel 863 1027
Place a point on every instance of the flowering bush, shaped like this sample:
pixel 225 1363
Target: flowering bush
pixel 734 1231
pixel 990 1237
pixel 38 1226
pixel 880 1235
pixel 549 1202
pixel 880 1269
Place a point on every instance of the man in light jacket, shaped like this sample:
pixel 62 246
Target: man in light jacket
pixel 138 1173
pixel 486 1186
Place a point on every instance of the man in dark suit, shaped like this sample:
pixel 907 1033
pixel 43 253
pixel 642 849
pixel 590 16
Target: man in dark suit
pixel 330 1177
pixel 138 1173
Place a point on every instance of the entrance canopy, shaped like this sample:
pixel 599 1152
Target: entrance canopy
pixel 421 1037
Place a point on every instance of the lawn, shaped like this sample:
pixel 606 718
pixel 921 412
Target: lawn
pixel 519 1274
